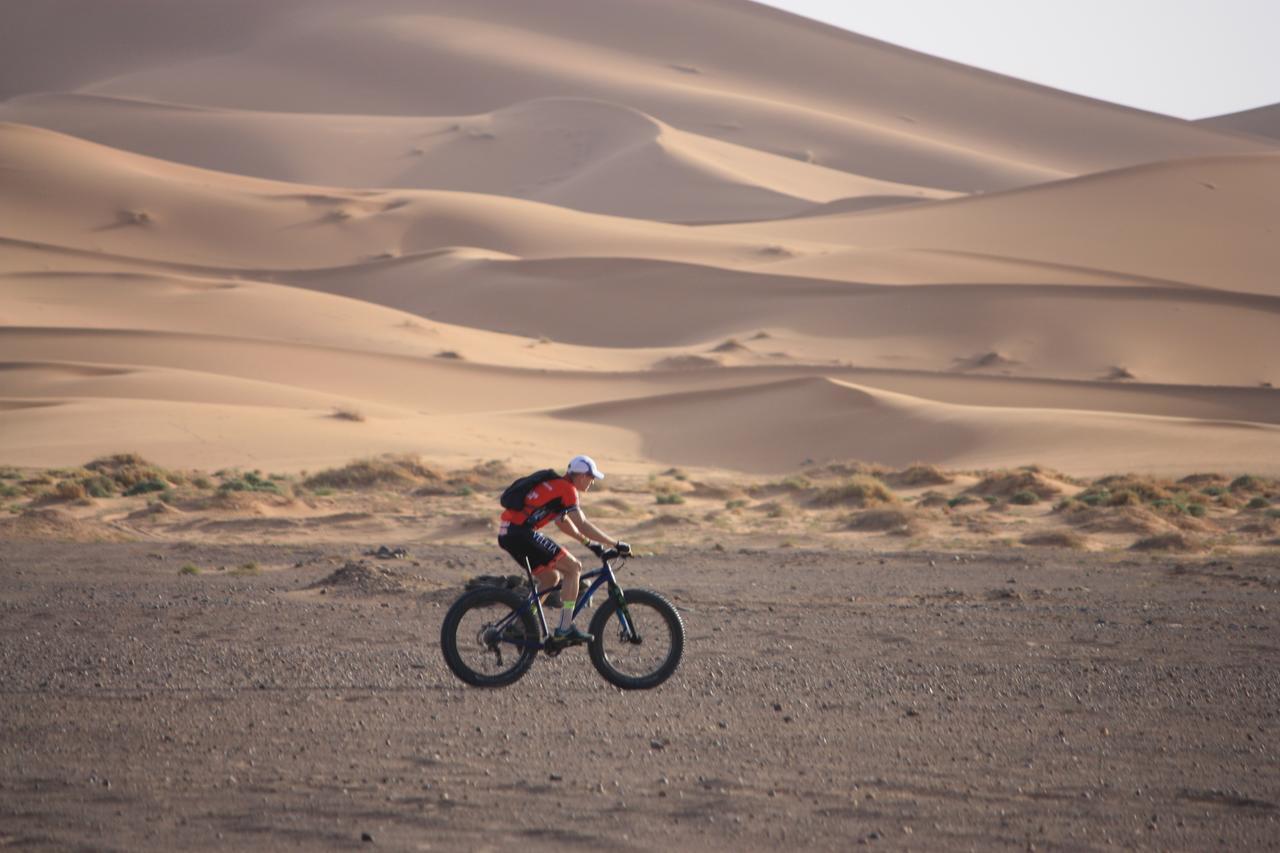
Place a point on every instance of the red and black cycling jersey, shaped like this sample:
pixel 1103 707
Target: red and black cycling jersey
pixel 546 502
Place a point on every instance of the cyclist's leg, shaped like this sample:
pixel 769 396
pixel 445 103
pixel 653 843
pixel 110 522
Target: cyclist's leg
pixel 571 571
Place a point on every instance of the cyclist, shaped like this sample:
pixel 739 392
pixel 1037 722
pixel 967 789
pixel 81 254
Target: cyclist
pixel 556 499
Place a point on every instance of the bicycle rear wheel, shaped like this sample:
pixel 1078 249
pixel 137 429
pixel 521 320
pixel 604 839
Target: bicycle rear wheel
pixel 643 654
pixel 489 637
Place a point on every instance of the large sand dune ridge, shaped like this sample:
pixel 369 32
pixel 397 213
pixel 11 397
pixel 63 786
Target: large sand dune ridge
pixel 707 234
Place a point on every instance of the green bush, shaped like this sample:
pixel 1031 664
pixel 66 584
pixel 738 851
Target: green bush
pixel 99 486
pixel 669 498
pixel 144 486
pixel 188 569
pixel 1024 498
pixel 1246 483
pixel 250 482
pixel 1258 502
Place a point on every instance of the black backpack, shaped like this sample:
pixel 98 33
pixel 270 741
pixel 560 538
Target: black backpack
pixel 513 496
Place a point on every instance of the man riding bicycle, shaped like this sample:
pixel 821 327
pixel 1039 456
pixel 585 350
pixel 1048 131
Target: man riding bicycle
pixel 556 499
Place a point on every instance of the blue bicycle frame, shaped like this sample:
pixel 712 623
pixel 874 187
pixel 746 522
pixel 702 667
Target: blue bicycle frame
pixel 602 576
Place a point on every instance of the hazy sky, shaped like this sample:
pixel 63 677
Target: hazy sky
pixel 1186 58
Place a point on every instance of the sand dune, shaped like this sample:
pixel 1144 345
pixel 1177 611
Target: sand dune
pixel 1261 122
pixel 1160 333
pixel 1194 221
pixel 664 232
pixel 576 153
pixel 779 83
pixel 821 419
pixel 100 199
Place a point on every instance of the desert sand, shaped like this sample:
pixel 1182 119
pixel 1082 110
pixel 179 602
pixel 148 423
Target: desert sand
pixel 942 403
pixel 513 231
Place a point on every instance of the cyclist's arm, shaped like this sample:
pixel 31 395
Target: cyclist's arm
pixel 571 530
pixel 579 522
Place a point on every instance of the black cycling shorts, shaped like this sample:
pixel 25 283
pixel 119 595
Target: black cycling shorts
pixel 526 543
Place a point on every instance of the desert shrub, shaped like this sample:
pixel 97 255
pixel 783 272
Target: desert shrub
pixel 858 490
pixel 961 500
pixel 346 413
pixel 8 472
pixel 8 491
pixel 917 475
pixel 1203 480
pixel 1026 497
pixel 250 482
pixel 850 468
pixel 127 470
pixel 1147 489
pixel 735 504
pixel 933 498
pixel 774 509
pixel 1003 484
pixel 369 473
pixel 202 483
pixel 1174 541
pixel 1055 539
pixel 142 487
pixel 98 486
pixel 1246 483
pixel 1258 502
pixel 886 519
pixel 795 483
pixel 668 498
pixel 189 569
pixel 70 490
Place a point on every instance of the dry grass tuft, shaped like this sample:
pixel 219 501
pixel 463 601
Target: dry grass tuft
pixel 1006 484
pixel 919 474
pixel 389 470
pixel 859 490
pixel 1202 480
pixel 901 522
pixel 686 362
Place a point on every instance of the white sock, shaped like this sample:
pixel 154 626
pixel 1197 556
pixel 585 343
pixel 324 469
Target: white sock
pixel 566 614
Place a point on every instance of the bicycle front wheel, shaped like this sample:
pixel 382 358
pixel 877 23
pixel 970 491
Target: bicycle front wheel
pixel 641 651
pixel 489 637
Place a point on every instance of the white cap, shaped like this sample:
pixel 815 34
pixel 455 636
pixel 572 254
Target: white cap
pixel 584 465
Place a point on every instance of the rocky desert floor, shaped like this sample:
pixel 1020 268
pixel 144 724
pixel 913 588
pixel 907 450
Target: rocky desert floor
pixel 1031 699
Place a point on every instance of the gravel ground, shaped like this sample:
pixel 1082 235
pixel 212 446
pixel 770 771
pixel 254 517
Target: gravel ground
pixel 826 700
